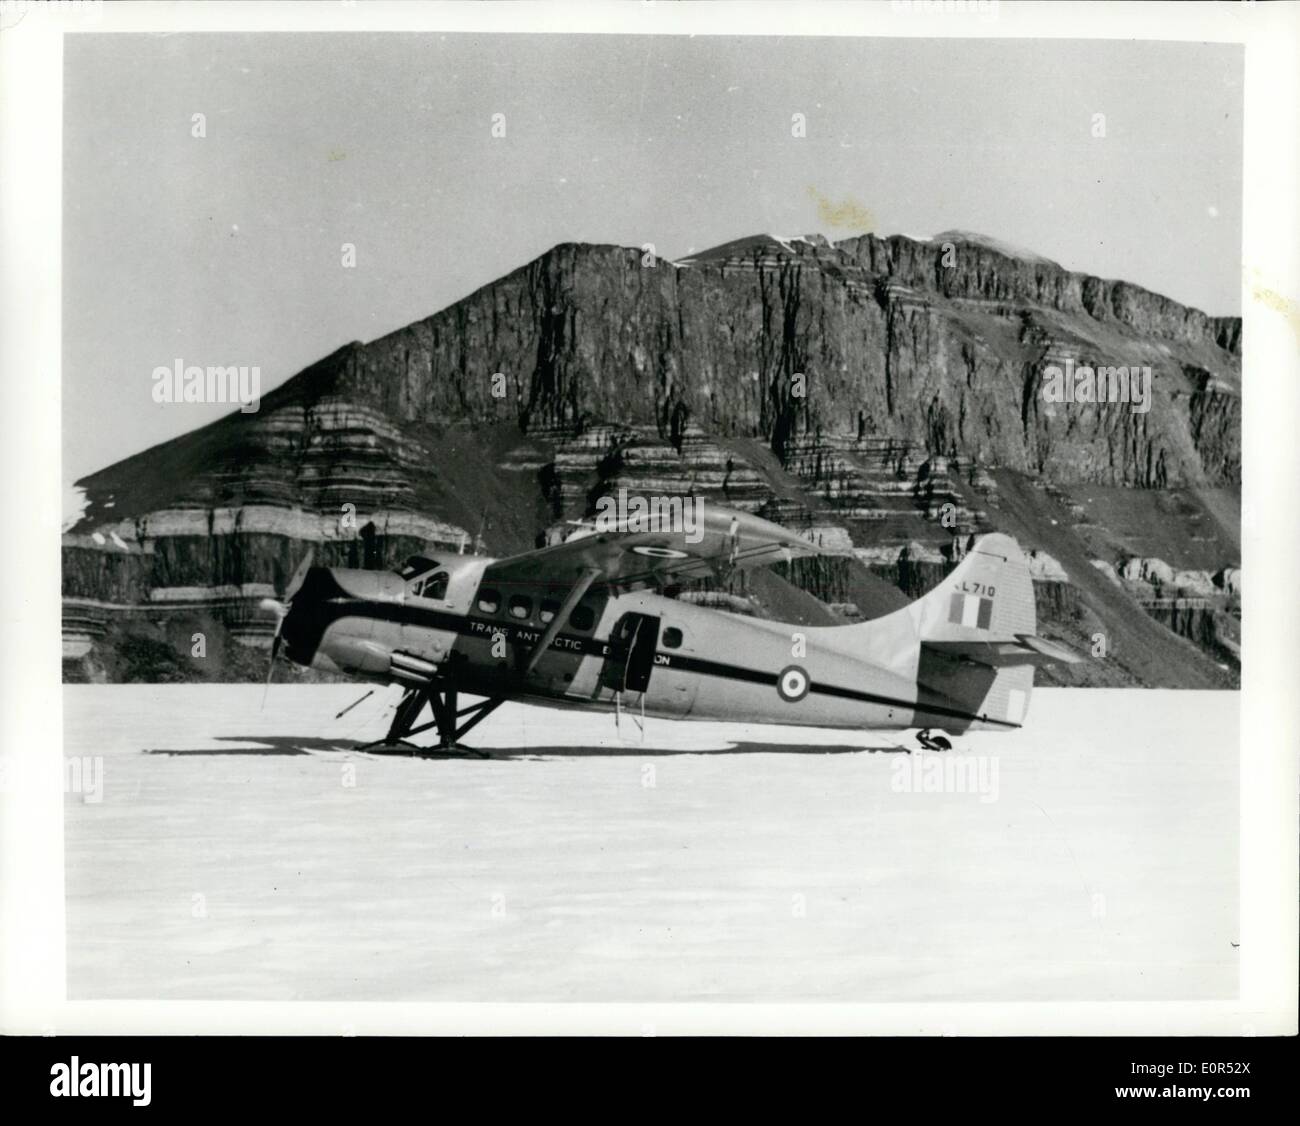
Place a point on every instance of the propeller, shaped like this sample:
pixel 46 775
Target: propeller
pixel 280 607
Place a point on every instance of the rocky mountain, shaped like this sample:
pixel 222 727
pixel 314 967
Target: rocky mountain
pixel 883 396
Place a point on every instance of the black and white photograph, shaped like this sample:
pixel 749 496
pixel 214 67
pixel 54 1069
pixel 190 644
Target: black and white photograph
pixel 649 505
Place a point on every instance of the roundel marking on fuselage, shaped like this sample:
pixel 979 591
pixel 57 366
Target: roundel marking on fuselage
pixel 792 684
pixel 660 552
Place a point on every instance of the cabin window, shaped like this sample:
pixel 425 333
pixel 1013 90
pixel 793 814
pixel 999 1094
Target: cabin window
pixel 489 601
pixel 672 638
pixel 521 607
pixel 549 609
pixel 582 618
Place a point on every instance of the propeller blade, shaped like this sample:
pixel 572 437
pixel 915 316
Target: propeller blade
pixel 281 609
pixel 299 575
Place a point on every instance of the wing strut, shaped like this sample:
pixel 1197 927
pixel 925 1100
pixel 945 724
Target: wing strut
pixel 578 589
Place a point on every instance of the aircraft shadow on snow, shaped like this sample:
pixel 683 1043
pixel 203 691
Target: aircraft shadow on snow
pixel 305 745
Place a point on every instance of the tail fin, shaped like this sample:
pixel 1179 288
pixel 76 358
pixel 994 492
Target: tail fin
pixel 989 596
pixel 977 640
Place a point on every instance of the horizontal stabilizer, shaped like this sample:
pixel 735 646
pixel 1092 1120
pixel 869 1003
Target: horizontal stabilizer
pixel 996 653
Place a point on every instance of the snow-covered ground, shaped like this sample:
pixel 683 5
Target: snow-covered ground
pixel 242 853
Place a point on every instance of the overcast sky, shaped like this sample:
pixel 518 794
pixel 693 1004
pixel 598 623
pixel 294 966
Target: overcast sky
pixel 226 249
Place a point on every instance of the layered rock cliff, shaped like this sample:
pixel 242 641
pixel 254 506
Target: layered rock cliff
pixel 866 393
pixel 888 340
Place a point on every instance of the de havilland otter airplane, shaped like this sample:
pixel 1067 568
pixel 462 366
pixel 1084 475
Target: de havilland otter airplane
pixel 582 624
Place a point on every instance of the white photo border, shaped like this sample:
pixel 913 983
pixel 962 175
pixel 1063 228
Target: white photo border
pixel 32 912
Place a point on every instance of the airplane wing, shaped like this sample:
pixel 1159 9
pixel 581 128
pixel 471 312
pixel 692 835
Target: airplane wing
pixel 627 556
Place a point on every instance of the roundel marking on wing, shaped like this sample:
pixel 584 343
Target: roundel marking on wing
pixel 792 684
pixel 660 552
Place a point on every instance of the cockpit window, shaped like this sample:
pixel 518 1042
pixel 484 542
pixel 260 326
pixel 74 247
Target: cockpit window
pixel 435 586
pixel 416 565
pixel 489 601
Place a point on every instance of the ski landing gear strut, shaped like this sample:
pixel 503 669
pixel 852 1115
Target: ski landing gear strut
pixel 446 717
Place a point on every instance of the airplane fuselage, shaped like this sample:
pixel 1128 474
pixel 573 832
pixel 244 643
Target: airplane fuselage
pixel 662 657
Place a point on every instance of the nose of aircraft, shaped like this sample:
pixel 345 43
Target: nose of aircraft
pixel 324 596
pixel 303 623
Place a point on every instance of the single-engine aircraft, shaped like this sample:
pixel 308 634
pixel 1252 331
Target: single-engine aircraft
pixel 584 624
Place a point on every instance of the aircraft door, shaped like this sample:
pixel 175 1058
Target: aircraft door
pixel 631 657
